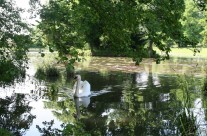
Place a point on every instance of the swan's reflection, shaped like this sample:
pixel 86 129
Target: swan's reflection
pixel 81 101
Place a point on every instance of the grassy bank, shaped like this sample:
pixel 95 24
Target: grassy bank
pixel 175 52
pixel 188 52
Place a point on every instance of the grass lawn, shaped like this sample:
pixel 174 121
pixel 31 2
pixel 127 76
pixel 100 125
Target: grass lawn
pixel 187 52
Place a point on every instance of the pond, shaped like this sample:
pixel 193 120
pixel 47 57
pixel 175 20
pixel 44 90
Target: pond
pixel 126 99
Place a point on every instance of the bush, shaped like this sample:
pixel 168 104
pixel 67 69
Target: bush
pixel 9 72
pixel 47 72
pixel 52 71
pixel 40 73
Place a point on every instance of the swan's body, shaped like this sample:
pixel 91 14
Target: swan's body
pixel 81 88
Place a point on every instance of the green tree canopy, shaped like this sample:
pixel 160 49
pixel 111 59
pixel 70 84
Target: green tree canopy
pixel 192 21
pixel 121 27
pixel 14 36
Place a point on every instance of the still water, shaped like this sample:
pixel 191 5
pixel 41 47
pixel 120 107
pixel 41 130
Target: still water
pixel 126 99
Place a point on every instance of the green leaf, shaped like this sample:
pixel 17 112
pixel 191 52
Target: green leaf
pixel 42 54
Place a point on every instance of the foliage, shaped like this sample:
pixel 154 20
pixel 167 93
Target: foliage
pixel 123 27
pixel 187 123
pixel 204 89
pixel 57 31
pixel 70 71
pixel 9 72
pixel 47 72
pixel 185 119
pixel 191 24
pixel 40 73
pixel 14 35
pixel 52 71
pixel 201 4
pixel 4 132
pixel 161 23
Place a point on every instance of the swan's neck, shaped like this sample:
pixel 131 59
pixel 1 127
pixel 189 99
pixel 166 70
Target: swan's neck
pixel 77 88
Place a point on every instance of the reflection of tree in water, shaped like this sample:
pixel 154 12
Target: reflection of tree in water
pixel 62 110
pixel 15 114
pixel 131 118
pixel 127 110
pixel 62 105
pixel 140 112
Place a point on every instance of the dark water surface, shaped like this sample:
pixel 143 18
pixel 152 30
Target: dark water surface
pixel 126 99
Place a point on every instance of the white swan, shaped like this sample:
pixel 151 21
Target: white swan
pixel 81 88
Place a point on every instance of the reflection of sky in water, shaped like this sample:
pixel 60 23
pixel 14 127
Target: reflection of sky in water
pixel 199 113
pixel 33 96
pixel 143 77
pixel 42 114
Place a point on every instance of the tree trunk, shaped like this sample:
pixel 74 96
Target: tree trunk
pixel 150 49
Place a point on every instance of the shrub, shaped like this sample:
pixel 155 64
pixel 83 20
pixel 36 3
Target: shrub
pixel 47 72
pixel 40 73
pixel 10 72
pixel 52 71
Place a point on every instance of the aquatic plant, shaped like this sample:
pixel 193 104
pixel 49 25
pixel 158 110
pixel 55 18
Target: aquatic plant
pixel 186 123
pixel 51 71
pixel 185 119
pixel 40 73
pixel 47 72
